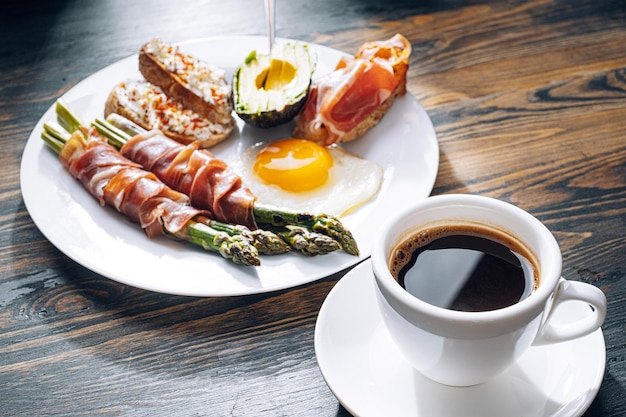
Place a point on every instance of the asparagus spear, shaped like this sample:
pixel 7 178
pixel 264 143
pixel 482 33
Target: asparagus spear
pixel 306 241
pixel 266 215
pixel 119 129
pixel 266 242
pixel 238 248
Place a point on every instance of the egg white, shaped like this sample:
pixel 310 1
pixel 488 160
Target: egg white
pixel 352 181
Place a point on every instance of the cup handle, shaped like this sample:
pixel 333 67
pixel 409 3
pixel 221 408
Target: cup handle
pixel 573 291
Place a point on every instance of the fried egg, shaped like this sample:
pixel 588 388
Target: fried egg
pixel 299 174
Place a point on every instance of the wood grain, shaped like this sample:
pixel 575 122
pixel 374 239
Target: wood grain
pixel 528 99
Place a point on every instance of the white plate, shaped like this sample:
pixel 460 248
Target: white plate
pixel 369 376
pixel 404 144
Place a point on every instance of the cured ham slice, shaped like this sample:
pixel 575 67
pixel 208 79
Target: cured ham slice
pixel 123 184
pixel 344 104
pixel 210 184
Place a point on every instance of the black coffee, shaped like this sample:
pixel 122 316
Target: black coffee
pixel 465 267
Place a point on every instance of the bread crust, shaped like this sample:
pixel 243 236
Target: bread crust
pixel 115 104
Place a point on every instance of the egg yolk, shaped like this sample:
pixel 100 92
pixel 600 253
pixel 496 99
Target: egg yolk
pixel 294 164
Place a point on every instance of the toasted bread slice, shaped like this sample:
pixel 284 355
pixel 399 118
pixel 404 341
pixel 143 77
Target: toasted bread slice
pixel 148 106
pixel 196 84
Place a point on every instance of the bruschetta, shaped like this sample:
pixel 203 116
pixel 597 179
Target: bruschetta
pixel 352 99
pixel 196 84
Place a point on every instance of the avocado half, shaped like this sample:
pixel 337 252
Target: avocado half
pixel 270 89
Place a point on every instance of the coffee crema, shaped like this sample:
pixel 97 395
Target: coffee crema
pixel 465 267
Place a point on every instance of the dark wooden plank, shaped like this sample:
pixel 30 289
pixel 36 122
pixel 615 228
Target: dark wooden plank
pixel 528 99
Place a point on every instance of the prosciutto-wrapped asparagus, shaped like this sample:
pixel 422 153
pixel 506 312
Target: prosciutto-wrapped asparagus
pixel 142 197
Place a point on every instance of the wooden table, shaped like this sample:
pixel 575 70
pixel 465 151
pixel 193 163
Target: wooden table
pixel 528 99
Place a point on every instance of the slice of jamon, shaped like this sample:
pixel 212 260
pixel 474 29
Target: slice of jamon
pixel 123 184
pixel 347 102
pixel 208 181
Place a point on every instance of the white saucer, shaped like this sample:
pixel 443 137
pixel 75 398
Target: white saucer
pixel 369 377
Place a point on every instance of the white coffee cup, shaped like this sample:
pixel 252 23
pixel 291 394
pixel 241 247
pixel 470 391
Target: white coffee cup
pixel 463 348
